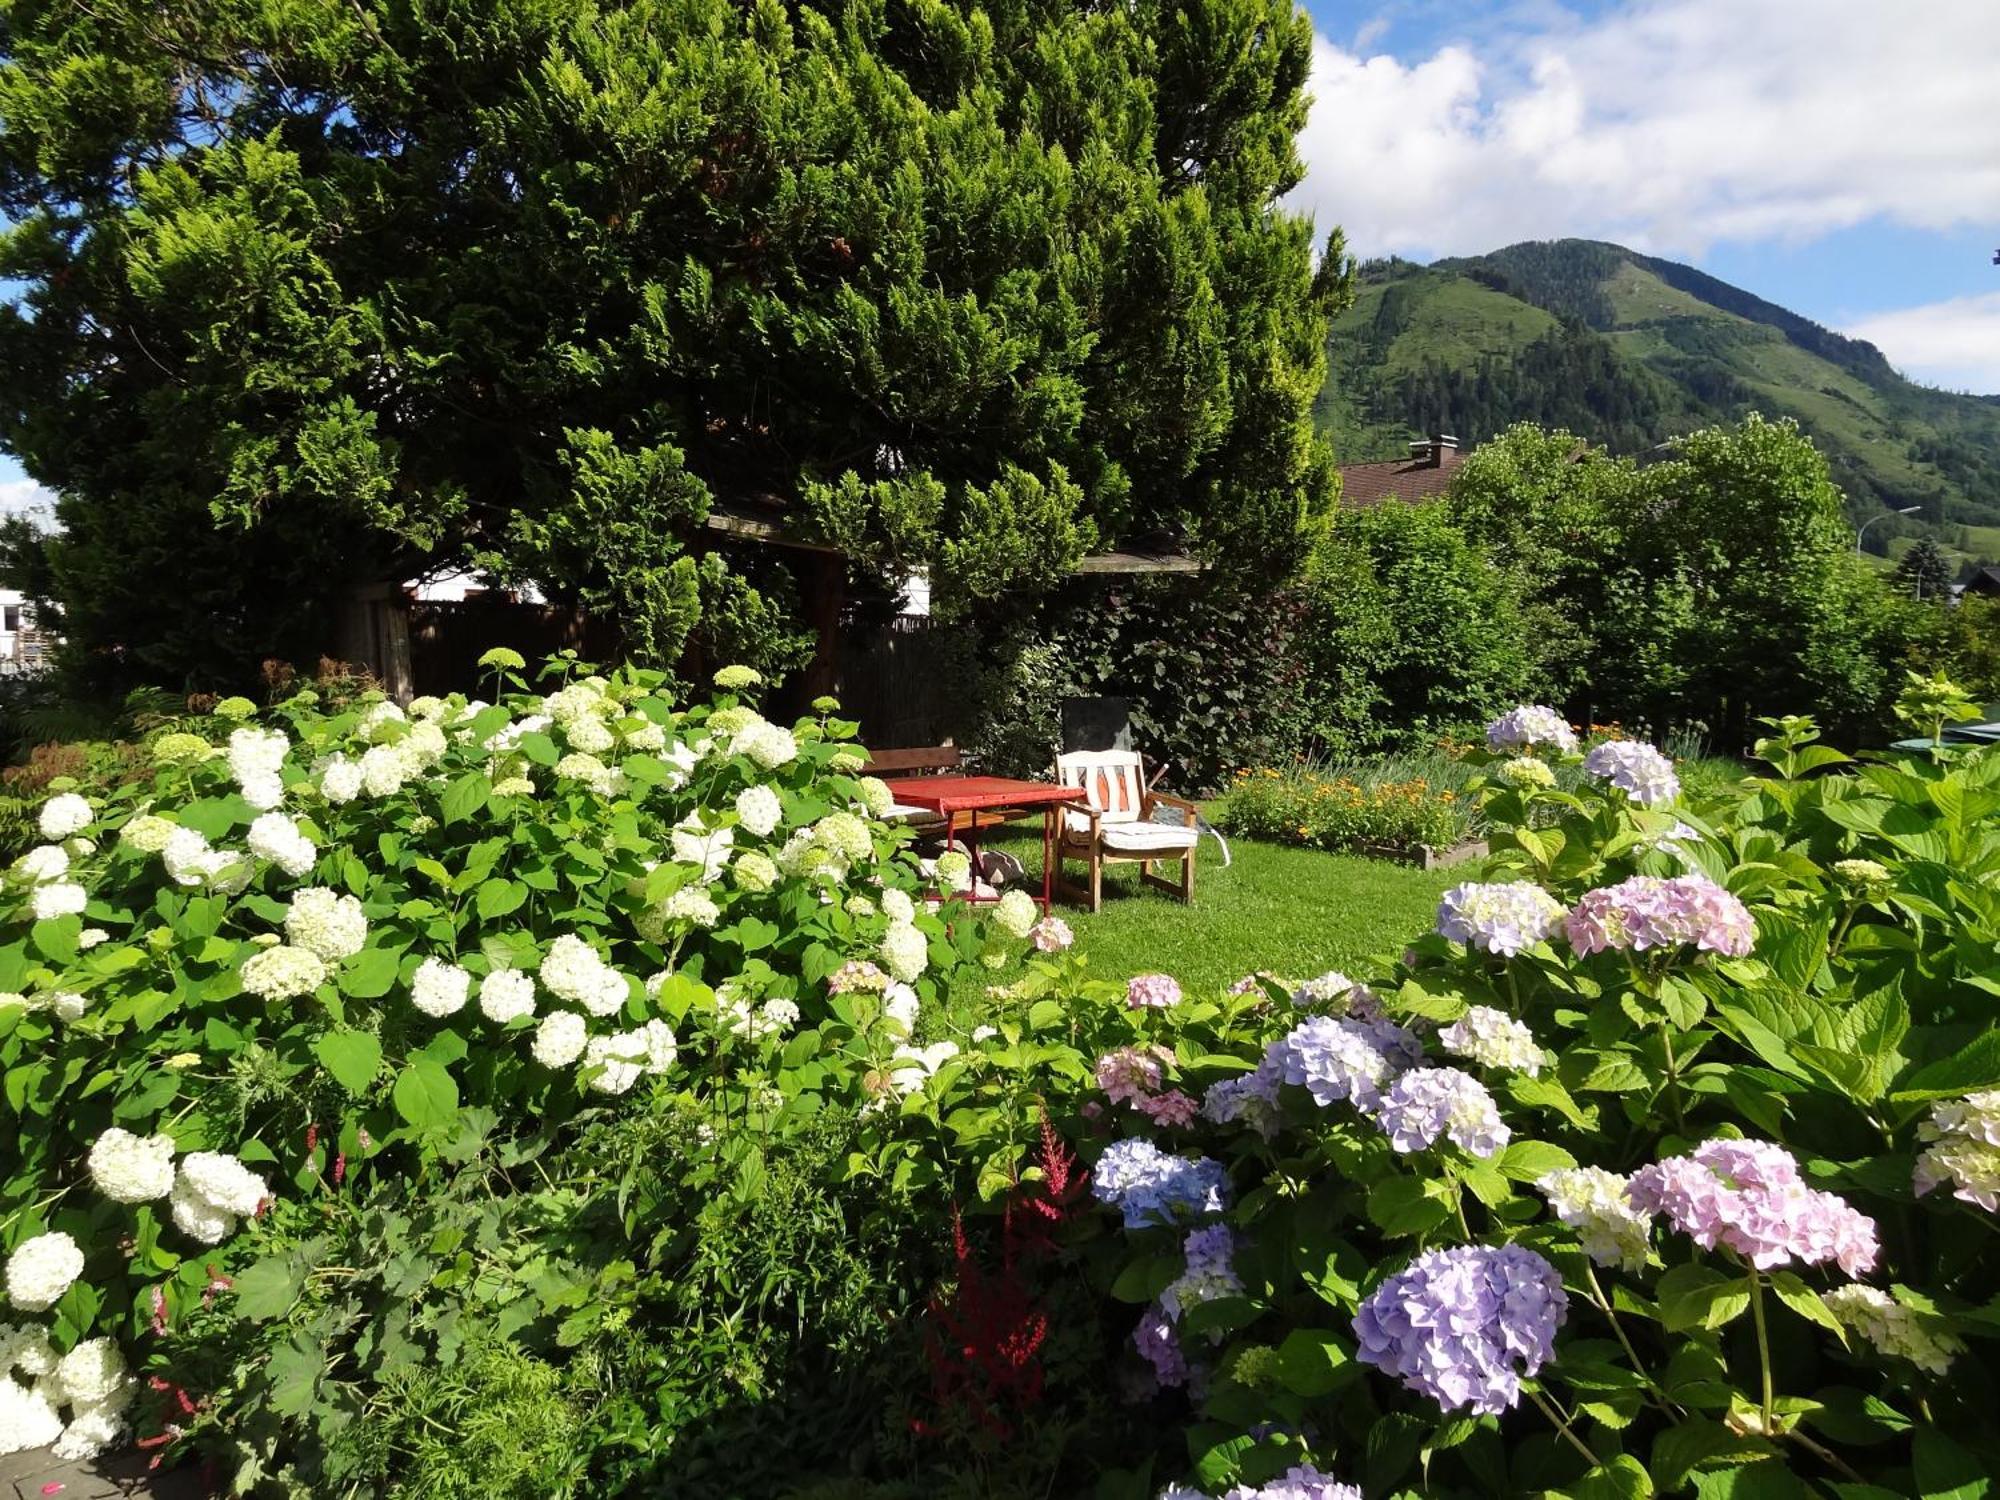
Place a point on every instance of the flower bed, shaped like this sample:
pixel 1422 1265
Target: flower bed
pixel 1668 1162
pixel 1369 810
pixel 355 1055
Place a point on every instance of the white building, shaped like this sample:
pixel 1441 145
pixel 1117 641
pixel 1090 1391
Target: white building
pixel 21 645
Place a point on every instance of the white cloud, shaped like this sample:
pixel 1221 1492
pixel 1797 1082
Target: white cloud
pixel 25 497
pixel 1667 126
pixel 1955 344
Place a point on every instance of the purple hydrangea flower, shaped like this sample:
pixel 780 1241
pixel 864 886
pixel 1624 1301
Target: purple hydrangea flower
pixel 1530 724
pixel 1747 1196
pixel 1148 1186
pixel 1302 1482
pixel 1160 1346
pixel 1426 1103
pixel 1250 1097
pixel 1636 769
pixel 1338 1057
pixel 1337 995
pixel 1152 992
pixel 1504 918
pixel 1648 912
pixel 1463 1325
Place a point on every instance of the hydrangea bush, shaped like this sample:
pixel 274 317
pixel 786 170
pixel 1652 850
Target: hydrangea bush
pixel 1668 1162
pixel 352 1044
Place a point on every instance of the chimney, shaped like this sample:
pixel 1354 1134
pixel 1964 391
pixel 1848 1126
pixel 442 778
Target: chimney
pixel 1428 453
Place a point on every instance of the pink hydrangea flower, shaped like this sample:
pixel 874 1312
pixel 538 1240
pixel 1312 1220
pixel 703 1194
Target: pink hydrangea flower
pixel 1051 935
pixel 1648 912
pixel 1170 1108
pixel 1748 1197
pixel 1152 992
pixel 1130 1075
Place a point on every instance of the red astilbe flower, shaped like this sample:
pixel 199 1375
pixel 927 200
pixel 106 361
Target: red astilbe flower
pixel 984 1337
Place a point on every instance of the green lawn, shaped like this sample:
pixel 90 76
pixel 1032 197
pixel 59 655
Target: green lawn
pixel 1296 912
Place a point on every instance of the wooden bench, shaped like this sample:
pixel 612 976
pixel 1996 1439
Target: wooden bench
pixel 928 760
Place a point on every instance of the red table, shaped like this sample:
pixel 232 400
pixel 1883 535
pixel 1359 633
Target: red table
pixel 999 797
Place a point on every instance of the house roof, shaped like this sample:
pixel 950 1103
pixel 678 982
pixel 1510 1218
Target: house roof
pixel 1985 581
pixel 1418 477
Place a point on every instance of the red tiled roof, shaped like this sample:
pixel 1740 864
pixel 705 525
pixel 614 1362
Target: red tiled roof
pixel 1405 479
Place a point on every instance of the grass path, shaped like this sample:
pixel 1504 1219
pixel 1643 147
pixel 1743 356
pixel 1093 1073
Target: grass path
pixel 1296 912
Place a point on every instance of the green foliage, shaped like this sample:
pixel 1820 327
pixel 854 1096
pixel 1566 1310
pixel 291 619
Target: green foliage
pixel 1409 631
pixel 316 299
pixel 1852 1031
pixel 1708 587
pixel 1925 572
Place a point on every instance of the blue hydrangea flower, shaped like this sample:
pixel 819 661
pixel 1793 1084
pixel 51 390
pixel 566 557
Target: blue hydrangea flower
pixel 1426 1103
pixel 1149 1186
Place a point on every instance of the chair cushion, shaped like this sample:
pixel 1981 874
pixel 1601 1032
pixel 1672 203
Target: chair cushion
pixel 1132 838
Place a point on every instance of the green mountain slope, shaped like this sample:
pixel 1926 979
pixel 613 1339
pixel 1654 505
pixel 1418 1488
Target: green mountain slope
pixel 1629 350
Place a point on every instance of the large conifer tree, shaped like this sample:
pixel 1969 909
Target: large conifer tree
pixel 321 291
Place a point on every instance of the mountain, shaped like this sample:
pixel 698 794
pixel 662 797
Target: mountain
pixel 1629 350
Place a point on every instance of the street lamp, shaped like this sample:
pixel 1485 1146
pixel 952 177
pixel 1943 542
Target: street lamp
pixel 1908 510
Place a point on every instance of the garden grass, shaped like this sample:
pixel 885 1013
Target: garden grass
pixel 1296 912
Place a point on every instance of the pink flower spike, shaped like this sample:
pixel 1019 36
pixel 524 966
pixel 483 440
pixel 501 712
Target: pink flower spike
pixel 54 1487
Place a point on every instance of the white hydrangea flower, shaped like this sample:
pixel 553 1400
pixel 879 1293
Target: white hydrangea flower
pixel 591 771
pixel 1893 1328
pixel 578 701
pixel 256 752
pixel 220 1179
pixel 759 810
pixel 911 1067
pixel 41 1269
pixel 90 937
pixel 592 736
pixel 424 746
pixel 26 1347
pixel 1016 913
pixel 1594 1202
pixel 439 988
pixel 560 1039
pixel 196 1217
pixel 340 779
pixel 1527 773
pixel 327 922
pixel 68 1005
pixel 514 786
pixel 277 838
pixel 613 1063
pixel 708 848
pixel 574 971
pixel 805 857
pixel 44 862
pixel 905 951
pixel 27 1418
pixel 1493 1039
pixel 506 994
pixel 130 1168
pixel 375 720
pixel 1964 1149
pixel 384 769
pixel 657 1038
pixel 898 907
pixel 190 861
pixel 900 1006
pixel 985 1033
pixel 148 833
pixel 1505 918
pixel 63 815
pixel 766 744
pixel 876 796
pixel 646 735
pixel 780 1015
pixel 755 872
pixel 59 898
pixel 94 1373
pixel 263 791
pixel 846 835
pixel 91 1430
pixel 425 706
pixel 690 904
pixel 283 972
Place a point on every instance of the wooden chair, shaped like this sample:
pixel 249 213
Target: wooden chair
pixel 1117 823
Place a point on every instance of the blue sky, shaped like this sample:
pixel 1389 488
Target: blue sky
pixel 1838 157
